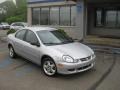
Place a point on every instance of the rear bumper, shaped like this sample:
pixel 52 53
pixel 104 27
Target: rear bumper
pixel 67 68
pixel 6 27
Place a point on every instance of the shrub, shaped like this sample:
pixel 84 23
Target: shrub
pixel 13 19
pixel 62 31
pixel 11 31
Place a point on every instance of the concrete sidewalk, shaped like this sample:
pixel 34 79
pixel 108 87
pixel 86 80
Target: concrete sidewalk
pixel 103 48
pixel 96 40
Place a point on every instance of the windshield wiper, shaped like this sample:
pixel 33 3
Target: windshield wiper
pixel 69 41
pixel 52 43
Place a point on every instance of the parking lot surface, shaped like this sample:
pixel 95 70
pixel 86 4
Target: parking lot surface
pixel 3 32
pixel 20 74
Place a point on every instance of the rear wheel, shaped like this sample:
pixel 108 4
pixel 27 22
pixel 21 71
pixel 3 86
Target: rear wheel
pixel 49 67
pixel 12 52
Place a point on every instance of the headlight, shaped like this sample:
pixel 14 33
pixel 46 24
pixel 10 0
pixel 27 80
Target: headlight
pixel 68 59
pixel 93 55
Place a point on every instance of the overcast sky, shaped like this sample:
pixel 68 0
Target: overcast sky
pixel 2 1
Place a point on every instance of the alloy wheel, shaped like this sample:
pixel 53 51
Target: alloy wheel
pixel 11 52
pixel 49 67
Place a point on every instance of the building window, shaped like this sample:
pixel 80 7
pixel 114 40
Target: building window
pixel 59 15
pixel 44 16
pixel 111 18
pixel 36 16
pixel 107 18
pixel 65 16
pixel 73 15
pixel 54 16
pixel 99 18
pixel 118 23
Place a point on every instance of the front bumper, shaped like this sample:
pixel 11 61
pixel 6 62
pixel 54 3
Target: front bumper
pixel 72 68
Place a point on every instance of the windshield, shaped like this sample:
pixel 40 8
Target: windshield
pixel 54 37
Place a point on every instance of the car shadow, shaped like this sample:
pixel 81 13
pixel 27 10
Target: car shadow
pixel 77 75
pixel 58 76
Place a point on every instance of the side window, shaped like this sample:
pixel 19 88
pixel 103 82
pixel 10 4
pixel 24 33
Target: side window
pixel 20 34
pixel 31 37
pixel 20 24
pixel 14 24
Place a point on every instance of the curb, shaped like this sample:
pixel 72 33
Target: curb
pixel 107 49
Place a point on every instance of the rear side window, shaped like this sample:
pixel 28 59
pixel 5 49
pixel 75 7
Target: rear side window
pixel 20 35
pixel 14 24
pixel 20 24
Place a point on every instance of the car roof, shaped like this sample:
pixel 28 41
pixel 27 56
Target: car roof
pixel 4 23
pixel 38 28
pixel 18 23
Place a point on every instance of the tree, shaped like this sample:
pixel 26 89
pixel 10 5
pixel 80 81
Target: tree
pixel 21 10
pixel 9 8
pixel 14 13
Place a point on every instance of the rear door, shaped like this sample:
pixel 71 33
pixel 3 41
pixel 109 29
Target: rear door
pixel 32 52
pixel 19 42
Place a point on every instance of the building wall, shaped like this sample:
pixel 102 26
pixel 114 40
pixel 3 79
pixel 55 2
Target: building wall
pixel 29 16
pixel 76 32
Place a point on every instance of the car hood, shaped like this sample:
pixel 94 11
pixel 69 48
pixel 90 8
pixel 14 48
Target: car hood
pixel 5 25
pixel 76 50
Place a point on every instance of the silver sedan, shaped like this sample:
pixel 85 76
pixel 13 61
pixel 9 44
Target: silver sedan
pixel 53 49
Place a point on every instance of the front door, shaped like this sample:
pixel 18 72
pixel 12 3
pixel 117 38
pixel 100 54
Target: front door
pixel 30 47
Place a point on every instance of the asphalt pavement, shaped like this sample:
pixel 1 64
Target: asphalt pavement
pixel 20 74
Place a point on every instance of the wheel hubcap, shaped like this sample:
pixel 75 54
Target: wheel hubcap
pixel 11 52
pixel 49 68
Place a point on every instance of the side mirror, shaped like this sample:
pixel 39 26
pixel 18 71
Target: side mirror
pixel 76 40
pixel 35 44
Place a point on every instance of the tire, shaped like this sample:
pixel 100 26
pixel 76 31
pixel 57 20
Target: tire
pixel 12 53
pixel 49 67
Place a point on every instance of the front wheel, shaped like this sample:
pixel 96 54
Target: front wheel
pixel 12 52
pixel 49 67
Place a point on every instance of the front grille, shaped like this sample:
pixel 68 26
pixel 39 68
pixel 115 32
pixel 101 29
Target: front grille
pixel 80 68
pixel 84 67
pixel 71 70
pixel 86 59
